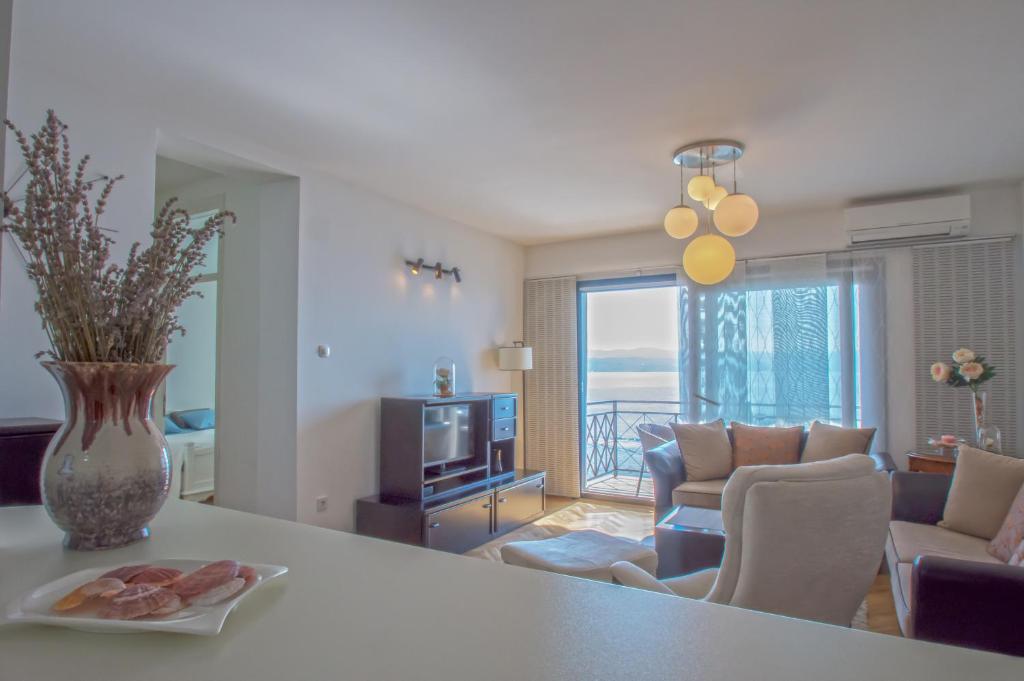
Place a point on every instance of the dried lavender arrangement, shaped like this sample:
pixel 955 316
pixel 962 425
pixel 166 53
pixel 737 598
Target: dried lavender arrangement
pixel 107 471
pixel 94 310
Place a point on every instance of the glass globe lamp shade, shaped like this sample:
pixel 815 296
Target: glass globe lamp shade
pixel 736 215
pixel 681 222
pixel 715 197
pixel 709 259
pixel 699 187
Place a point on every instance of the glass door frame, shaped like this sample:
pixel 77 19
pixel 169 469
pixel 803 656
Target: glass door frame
pixel 583 287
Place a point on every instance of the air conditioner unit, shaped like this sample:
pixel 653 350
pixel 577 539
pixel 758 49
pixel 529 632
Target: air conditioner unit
pixel 921 220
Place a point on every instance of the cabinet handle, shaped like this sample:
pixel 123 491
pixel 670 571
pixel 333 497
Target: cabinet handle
pixel 487 505
pixel 505 408
pixel 504 428
pixel 540 486
pixel 502 500
pixel 434 526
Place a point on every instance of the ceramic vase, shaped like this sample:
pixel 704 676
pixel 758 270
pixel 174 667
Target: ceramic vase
pixel 107 471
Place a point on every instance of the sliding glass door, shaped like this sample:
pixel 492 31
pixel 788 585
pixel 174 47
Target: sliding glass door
pixel 629 375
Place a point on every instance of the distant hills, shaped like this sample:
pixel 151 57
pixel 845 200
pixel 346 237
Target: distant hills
pixel 632 360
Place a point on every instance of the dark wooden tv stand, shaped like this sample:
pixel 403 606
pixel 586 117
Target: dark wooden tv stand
pixel 450 506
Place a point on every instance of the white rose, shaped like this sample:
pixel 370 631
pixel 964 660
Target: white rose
pixel 972 371
pixel 963 355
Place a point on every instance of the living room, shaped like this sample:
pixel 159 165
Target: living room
pixel 670 308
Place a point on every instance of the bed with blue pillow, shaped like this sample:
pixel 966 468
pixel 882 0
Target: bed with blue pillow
pixel 191 437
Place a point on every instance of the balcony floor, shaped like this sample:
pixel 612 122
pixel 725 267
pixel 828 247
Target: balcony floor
pixel 623 485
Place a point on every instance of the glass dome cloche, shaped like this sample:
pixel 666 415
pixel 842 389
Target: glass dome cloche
pixel 444 377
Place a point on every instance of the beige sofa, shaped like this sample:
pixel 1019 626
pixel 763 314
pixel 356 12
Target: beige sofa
pixel 671 488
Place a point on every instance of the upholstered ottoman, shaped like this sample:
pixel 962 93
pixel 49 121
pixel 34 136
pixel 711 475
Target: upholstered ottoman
pixel 587 553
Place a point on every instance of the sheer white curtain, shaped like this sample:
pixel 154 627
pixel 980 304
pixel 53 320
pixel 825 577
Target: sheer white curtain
pixel 782 341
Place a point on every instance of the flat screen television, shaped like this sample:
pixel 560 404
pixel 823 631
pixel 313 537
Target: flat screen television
pixel 447 434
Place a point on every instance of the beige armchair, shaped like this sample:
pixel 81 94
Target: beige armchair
pixel 804 540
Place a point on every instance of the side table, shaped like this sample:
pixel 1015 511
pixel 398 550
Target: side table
pixel 688 539
pixel 930 462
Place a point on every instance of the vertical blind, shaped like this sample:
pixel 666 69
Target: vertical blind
pixel 965 296
pixel 552 386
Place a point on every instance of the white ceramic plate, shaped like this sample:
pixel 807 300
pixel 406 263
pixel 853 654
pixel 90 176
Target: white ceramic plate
pixel 35 606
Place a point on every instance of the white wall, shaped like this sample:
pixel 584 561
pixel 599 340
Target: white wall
pixel 5 63
pixel 193 383
pixel 386 327
pixel 353 292
pixel 996 210
pixel 256 438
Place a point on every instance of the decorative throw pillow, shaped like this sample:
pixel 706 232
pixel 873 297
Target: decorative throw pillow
pixel 1018 556
pixel 1011 533
pixel 826 442
pixel 194 419
pixel 172 428
pixel 706 451
pixel 984 487
pixel 754 446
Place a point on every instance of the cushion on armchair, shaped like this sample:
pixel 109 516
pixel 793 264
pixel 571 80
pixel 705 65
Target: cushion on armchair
pixel 984 487
pixel 706 450
pixel 1011 534
pixel 826 442
pixel 1018 556
pixel 756 446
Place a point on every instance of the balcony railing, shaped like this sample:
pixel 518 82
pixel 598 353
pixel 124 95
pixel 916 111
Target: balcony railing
pixel 612 440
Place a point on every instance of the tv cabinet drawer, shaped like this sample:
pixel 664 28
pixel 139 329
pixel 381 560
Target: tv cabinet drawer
pixel 504 408
pixel 461 527
pixel 518 504
pixel 503 429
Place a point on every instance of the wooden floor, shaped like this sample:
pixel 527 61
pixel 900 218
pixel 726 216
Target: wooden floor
pixel 881 609
pixel 623 485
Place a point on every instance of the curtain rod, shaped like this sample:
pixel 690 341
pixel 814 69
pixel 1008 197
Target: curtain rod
pixel 660 269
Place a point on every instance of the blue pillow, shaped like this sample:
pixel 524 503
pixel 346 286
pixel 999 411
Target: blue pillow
pixel 195 419
pixel 172 428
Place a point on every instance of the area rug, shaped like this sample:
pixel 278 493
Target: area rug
pixel 619 520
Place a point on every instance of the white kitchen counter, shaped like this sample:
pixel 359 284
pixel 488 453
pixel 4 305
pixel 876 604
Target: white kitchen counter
pixel 359 608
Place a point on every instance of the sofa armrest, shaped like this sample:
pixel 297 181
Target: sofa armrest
pixel 665 464
pixel 966 603
pixel 919 497
pixel 883 462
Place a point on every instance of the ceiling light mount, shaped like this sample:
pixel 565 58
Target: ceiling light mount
pixel 708 153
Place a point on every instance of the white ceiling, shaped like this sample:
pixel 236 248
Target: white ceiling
pixel 551 119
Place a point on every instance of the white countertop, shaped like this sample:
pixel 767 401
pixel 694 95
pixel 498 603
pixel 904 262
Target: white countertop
pixel 359 608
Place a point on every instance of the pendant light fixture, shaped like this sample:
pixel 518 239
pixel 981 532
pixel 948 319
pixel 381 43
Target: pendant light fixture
pixel 710 258
pixel 736 214
pixel 681 222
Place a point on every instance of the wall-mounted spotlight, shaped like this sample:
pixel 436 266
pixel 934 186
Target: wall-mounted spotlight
pixel 416 266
